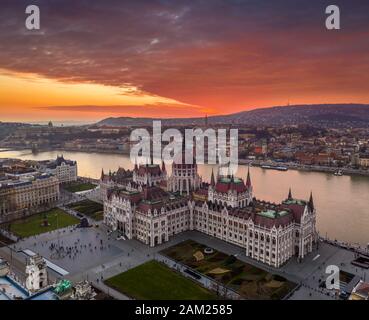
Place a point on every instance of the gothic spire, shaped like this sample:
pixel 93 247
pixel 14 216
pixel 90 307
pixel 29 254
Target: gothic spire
pixel 290 195
pixel 212 181
pixel 311 201
pixel 102 174
pixel 248 180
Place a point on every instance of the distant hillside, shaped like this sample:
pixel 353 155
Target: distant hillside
pixel 7 128
pixel 322 115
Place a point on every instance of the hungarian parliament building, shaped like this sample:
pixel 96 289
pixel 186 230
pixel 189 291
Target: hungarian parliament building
pixel 148 205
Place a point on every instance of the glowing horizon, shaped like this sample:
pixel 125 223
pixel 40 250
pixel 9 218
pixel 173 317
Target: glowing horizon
pixel 31 97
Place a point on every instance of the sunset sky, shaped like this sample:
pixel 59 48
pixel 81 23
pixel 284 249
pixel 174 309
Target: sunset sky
pixel 168 58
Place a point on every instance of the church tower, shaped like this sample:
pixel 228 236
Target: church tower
pixel 36 271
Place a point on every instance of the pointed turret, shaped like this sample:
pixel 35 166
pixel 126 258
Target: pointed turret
pixel 290 195
pixel 311 201
pixel 248 180
pixel 136 167
pixel 212 181
pixel 102 174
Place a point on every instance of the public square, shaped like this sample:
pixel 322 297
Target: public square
pixel 91 254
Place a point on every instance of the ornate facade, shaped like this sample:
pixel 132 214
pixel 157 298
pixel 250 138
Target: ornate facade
pixel 120 179
pixel 225 209
pixel 184 178
pixel 149 175
pixel 230 191
pixel 20 195
pixel 65 170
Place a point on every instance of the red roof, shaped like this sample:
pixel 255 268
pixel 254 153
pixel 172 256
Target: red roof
pixel 270 222
pixel 133 197
pixel 154 170
pixel 297 210
pixel 224 185
pixel 255 213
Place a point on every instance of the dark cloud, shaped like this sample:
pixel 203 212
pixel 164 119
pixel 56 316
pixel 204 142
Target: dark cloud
pixel 210 53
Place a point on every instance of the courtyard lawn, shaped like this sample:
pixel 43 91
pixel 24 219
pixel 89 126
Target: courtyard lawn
pixel 249 281
pixel 79 186
pixel 155 281
pixel 33 225
pixel 89 208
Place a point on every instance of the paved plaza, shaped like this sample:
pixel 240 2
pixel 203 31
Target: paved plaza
pixel 81 248
pixel 92 254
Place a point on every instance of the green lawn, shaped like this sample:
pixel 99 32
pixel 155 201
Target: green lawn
pixel 249 281
pixel 79 186
pixel 155 281
pixel 33 225
pixel 89 208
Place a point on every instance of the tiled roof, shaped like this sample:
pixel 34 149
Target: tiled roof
pixel 153 169
pixel 225 184
pixel 263 213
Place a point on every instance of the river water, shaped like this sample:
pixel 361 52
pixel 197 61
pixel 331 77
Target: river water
pixel 342 202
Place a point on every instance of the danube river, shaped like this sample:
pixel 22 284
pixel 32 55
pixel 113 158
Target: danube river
pixel 342 202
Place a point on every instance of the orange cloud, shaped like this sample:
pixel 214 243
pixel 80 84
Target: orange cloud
pixel 28 96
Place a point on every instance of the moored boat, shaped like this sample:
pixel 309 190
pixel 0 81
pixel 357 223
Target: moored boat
pixel 338 173
pixel 274 167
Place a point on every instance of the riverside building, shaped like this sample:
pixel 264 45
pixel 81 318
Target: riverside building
pixel 65 170
pixel 23 192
